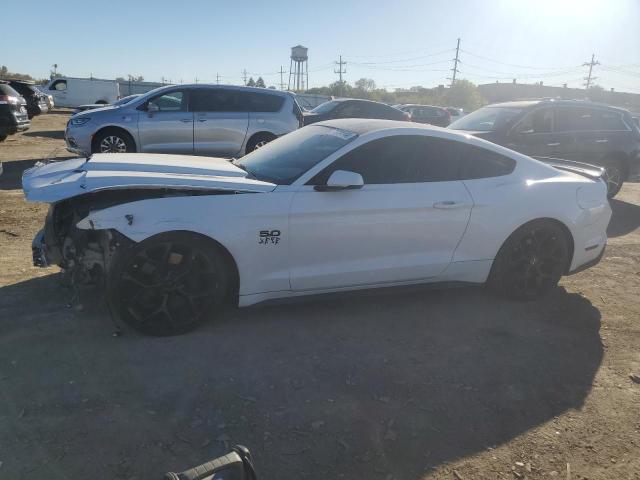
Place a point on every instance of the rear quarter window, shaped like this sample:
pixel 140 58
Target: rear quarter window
pixel 263 102
pixel 7 90
pixel 476 162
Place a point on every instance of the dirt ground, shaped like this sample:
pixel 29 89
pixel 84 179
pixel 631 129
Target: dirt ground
pixel 452 384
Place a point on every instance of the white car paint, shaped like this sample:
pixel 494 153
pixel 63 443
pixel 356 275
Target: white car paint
pixel 73 92
pixel 379 235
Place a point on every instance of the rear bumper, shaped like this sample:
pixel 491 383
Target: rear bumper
pixel 590 238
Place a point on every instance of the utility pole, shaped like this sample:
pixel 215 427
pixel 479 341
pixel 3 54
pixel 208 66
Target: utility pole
pixel 281 78
pixel 455 65
pixel 244 76
pixel 340 71
pixel 196 79
pixel 218 78
pixel 590 64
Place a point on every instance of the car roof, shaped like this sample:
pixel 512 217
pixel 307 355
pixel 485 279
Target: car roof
pixel 361 100
pixel 422 105
pixel 368 125
pixel 269 91
pixel 553 101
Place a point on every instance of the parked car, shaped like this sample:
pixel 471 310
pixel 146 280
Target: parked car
pixel 187 119
pixel 456 113
pixel 339 205
pixel 353 108
pixel 569 129
pixel 36 101
pixel 48 98
pixel 117 103
pixel 13 112
pixel 427 114
pixel 71 92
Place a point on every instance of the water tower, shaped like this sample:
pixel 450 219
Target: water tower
pixel 298 69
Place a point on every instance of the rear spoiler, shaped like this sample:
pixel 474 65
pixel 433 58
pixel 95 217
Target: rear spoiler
pixel 593 172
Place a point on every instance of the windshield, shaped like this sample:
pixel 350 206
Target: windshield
pixel 325 107
pixel 487 119
pixel 285 159
pixel 125 100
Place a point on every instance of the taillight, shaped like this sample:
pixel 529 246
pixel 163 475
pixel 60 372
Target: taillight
pixel 8 99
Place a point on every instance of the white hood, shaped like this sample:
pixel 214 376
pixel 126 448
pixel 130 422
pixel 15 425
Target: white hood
pixel 57 181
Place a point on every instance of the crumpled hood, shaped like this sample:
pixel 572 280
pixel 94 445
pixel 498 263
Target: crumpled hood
pixel 57 181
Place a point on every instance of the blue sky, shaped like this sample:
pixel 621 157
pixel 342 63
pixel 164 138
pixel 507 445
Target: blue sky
pixel 398 44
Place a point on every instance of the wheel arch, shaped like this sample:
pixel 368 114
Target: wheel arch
pixel 115 128
pixel 229 259
pixel 555 221
pixel 257 135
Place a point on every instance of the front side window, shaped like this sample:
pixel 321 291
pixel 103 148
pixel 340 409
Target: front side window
pixel 399 159
pixel 488 119
pixel 169 102
pixel 59 85
pixel 285 159
pixel 538 121
pixel 476 162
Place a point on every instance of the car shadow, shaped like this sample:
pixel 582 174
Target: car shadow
pixel 625 218
pixel 57 134
pixel 362 386
pixel 11 178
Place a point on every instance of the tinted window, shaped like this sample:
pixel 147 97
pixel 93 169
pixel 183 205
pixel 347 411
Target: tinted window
pixel 582 119
pixel 399 159
pixel 283 160
pixel 477 162
pixel 538 121
pixel 22 89
pixel 7 90
pixel 326 107
pixel 214 100
pixel 170 102
pixel 488 119
pixel 262 102
pixel 349 110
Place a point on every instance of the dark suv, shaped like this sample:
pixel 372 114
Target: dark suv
pixel 568 129
pixel 36 101
pixel 13 112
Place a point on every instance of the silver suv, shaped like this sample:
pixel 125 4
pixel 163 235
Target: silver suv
pixel 197 119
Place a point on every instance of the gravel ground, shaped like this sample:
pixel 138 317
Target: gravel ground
pixel 427 383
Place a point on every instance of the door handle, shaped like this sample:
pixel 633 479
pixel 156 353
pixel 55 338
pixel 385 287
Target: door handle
pixel 553 144
pixel 186 120
pixel 448 204
pixel 602 140
pixel 202 119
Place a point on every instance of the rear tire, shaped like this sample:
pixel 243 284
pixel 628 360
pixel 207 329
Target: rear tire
pixel 168 284
pixel 113 141
pixel 531 262
pixel 614 176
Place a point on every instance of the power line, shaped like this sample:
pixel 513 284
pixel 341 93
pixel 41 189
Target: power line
pixel 528 67
pixel 406 59
pixel 590 64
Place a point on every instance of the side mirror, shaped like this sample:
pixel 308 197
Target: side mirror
pixel 341 180
pixel 152 108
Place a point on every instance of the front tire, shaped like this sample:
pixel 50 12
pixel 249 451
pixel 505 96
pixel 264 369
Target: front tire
pixel 167 284
pixel 259 140
pixel 531 261
pixel 113 141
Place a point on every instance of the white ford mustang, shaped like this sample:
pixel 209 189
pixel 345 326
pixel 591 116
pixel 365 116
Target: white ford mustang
pixel 335 206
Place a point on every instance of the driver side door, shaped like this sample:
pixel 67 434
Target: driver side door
pixel 165 124
pixel 403 225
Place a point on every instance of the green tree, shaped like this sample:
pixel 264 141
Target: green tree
pixel 251 82
pixel 260 83
pixel 365 84
pixel 463 94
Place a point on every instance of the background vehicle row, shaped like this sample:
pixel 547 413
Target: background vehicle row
pixel 13 112
pixel 187 119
